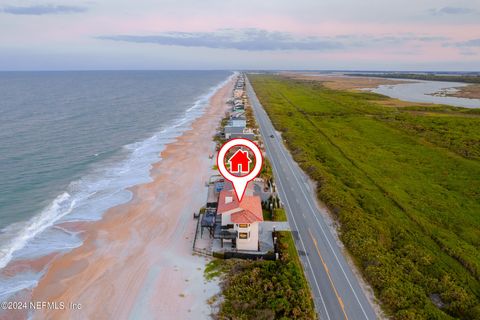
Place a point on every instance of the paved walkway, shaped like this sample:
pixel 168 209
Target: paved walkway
pixel 267 226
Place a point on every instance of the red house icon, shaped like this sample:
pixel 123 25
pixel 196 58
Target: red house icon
pixel 240 162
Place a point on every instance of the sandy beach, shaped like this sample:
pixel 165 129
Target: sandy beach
pixel 137 262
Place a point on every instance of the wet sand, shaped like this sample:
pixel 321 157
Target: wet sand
pixel 472 91
pixel 137 261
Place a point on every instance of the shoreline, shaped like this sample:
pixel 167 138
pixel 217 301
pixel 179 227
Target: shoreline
pixel 470 91
pixel 104 178
pixel 141 250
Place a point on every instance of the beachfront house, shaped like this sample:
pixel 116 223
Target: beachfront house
pixel 238 114
pixel 238 104
pixel 237 127
pixel 239 132
pixel 212 196
pixel 237 93
pixel 229 130
pixel 237 122
pixel 240 220
pixel 238 107
pixel 246 134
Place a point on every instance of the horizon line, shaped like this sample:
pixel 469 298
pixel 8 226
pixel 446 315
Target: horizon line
pixel 249 70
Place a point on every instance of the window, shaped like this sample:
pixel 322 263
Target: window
pixel 243 225
pixel 243 235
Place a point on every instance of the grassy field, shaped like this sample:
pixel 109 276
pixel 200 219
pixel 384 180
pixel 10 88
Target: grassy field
pixel 404 184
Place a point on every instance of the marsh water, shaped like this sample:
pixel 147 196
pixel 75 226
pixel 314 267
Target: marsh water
pixel 427 92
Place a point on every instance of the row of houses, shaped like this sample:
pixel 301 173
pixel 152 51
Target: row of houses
pixel 237 123
pixel 233 224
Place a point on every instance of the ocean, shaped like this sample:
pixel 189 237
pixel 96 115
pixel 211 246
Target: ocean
pixel 71 143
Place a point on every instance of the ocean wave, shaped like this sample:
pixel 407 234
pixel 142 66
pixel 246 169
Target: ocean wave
pixel 89 197
pixel 61 206
pixel 17 283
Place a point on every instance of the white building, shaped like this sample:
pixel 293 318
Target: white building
pixel 241 218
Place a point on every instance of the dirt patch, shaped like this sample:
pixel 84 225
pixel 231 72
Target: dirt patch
pixel 396 103
pixel 471 91
pixel 338 82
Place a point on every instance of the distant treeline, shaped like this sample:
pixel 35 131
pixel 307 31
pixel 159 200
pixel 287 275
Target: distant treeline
pixel 415 76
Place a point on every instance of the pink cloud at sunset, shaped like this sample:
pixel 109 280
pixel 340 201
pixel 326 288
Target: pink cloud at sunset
pixel 324 35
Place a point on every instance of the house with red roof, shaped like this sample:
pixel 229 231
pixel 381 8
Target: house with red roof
pixel 241 218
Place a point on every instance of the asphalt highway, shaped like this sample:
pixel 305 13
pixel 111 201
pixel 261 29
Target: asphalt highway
pixel 336 290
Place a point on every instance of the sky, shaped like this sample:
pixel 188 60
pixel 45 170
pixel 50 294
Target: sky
pixel 240 34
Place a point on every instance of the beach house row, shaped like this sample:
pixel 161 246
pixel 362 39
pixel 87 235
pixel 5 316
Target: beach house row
pixel 236 224
pixel 236 126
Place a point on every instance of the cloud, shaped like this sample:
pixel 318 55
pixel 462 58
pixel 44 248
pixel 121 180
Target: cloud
pixel 451 11
pixel 432 38
pixel 38 10
pixel 465 48
pixel 243 39
pixel 468 43
pixel 472 43
pixel 402 38
pixel 468 53
pixel 263 40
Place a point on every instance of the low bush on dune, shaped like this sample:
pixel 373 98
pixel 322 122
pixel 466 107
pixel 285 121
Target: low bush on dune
pixel 264 289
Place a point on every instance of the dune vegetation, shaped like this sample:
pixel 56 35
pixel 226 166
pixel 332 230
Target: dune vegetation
pixel 263 290
pixel 404 184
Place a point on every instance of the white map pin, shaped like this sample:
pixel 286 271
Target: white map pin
pixel 239 163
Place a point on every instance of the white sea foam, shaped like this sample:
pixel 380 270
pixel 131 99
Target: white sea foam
pixel 17 283
pixel 61 206
pixel 88 198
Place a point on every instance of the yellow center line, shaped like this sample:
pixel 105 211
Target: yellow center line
pixel 340 301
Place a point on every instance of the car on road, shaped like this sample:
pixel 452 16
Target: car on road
pixel 272 136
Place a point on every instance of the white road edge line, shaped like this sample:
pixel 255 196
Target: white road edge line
pixel 325 236
pixel 321 227
pixel 323 231
pixel 299 234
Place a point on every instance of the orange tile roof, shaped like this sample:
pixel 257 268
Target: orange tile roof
pixel 245 216
pixel 252 204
